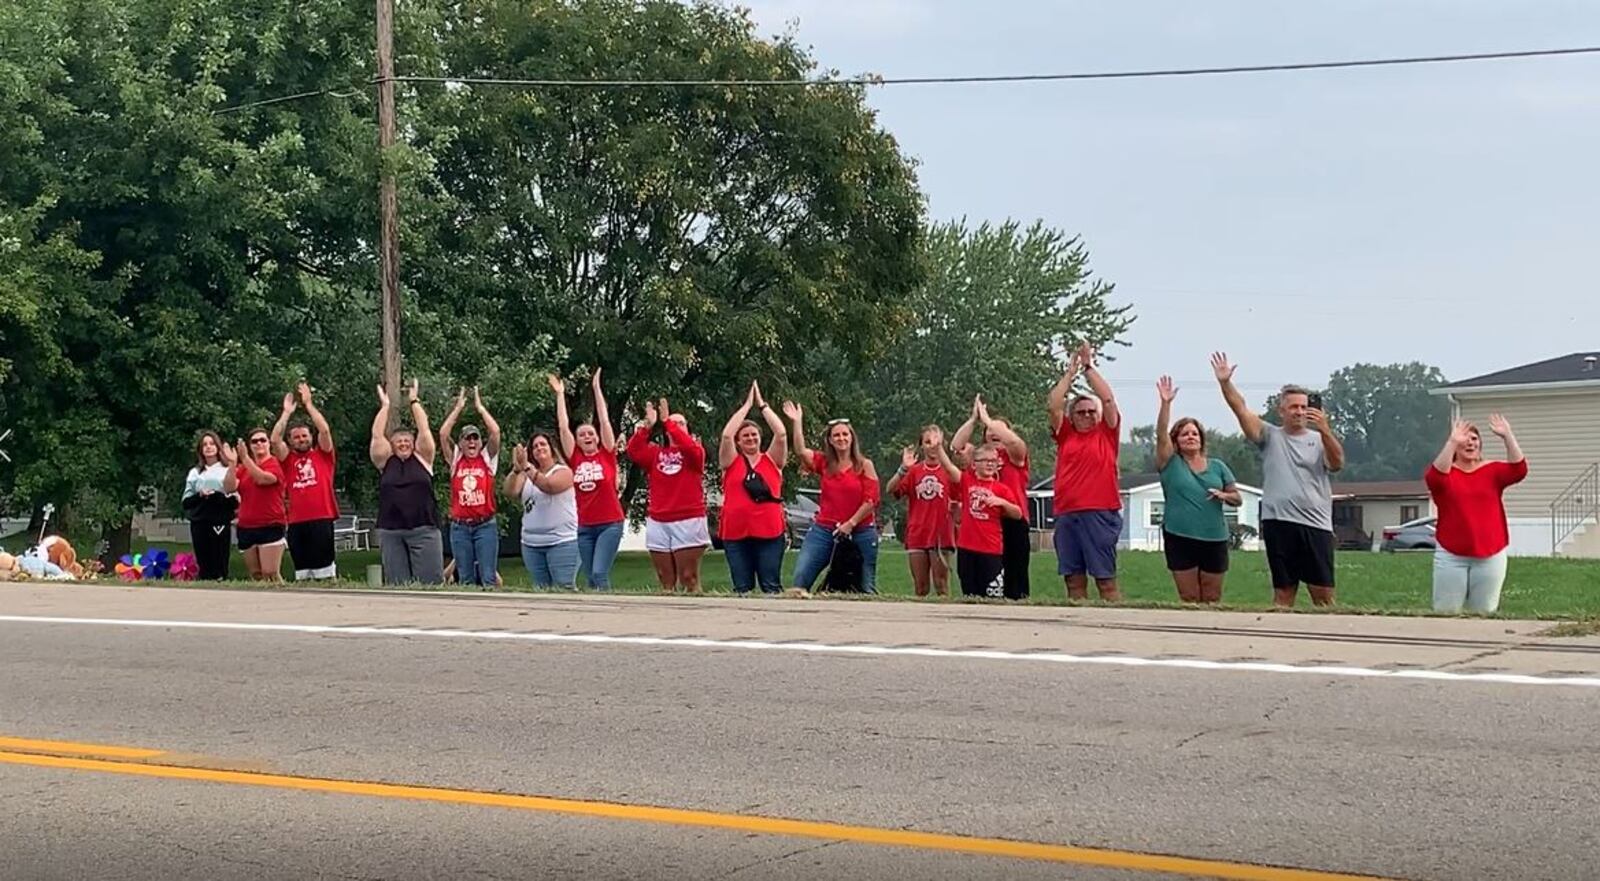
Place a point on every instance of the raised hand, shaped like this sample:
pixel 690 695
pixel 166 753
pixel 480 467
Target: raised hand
pixel 1499 425
pixel 1221 367
pixel 241 451
pixel 304 389
pixel 1460 433
pixel 416 389
pixel 1086 355
pixel 519 456
pixel 982 409
pixel 461 399
pixel 595 380
pixel 750 397
pixel 761 403
pixel 227 455
pixel 383 396
pixel 477 399
pixel 1166 389
pixel 792 410
pixel 908 457
pixel 977 406
pixel 666 412
pixel 936 437
pixel 559 387
pixel 650 414
pixel 288 403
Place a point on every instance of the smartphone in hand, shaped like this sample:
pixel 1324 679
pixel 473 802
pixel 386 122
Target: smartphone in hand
pixel 1314 401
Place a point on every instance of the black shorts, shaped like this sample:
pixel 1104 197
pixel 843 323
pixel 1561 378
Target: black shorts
pixel 1298 554
pixel 1185 553
pixel 981 575
pixel 258 536
pixel 311 549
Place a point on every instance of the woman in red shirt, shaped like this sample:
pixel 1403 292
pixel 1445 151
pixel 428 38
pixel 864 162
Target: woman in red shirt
pixel 1469 566
pixel 591 450
pixel 263 516
pixel 930 530
pixel 986 503
pixel 675 522
pixel 847 503
pixel 752 523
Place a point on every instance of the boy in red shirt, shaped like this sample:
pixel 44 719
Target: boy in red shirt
pixel 986 502
pixel 308 465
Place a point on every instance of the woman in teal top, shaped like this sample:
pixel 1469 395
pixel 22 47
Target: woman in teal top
pixel 1194 531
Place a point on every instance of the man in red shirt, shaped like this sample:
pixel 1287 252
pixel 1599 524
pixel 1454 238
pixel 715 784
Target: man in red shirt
pixel 1088 499
pixel 308 465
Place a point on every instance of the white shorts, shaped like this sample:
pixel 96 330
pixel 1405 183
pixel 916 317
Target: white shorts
pixel 678 535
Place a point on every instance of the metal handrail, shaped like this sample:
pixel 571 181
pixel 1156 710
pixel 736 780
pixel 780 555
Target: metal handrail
pixel 1575 506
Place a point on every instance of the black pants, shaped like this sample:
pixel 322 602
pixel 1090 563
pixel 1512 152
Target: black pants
pixel 1015 534
pixel 212 544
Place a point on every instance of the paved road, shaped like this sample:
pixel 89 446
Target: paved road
pixel 936 719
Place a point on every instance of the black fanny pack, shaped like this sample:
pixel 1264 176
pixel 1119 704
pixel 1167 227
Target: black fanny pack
pixel 755 486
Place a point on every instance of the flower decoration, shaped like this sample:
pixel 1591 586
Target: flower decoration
pixel 184 567
pixel 156 563
pixel 130 567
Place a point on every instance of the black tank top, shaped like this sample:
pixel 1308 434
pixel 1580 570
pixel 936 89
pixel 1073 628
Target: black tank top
pixel 405 495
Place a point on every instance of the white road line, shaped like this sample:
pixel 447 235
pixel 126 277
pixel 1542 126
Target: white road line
pixel 826 649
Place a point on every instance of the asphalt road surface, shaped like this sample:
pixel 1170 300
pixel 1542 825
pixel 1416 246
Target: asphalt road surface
pixel 163 734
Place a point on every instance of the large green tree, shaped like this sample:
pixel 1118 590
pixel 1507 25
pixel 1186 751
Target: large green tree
pixel 1002 307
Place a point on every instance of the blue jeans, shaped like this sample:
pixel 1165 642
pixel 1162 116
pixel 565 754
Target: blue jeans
pixel 477 552
pixel 553 566
pixel 597 551
pixel 817 549
pixel 753 559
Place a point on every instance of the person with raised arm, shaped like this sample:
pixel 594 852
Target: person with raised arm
pixel 542 481
pixel 591 450
pixel 474 462
pixel 846 506
pixel 308 464
pixel 1088 498
pixel 675 530
pixel 1014 472
pixel 408 518
pixel 1195 487
pixel 209 508
pixel 1297 461
pixel 929 491
pixel 1469 566
pixel 263 515
pixel 753 524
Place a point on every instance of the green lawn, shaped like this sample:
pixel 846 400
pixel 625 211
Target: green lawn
pixel 1391 583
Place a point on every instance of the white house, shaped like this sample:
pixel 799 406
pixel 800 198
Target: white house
pixel 1142 508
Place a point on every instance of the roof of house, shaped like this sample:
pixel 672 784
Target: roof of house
pixel 1576 367
pixel 1381 489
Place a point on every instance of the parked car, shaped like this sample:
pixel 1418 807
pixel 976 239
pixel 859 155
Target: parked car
pixel 1414 535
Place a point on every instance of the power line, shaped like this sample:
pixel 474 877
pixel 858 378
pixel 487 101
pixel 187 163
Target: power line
pixel 1012 78
pixel 933 80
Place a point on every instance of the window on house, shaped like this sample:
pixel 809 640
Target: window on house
pixel 1409 513
pixel 1155 512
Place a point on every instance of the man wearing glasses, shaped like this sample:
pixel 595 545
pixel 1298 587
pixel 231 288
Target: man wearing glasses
pixel 1088 499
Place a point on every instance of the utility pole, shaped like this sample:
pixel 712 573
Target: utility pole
pixel 388 209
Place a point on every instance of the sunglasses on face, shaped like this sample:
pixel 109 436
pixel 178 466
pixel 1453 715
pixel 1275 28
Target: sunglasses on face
pixel 1084 412
pixel 258 440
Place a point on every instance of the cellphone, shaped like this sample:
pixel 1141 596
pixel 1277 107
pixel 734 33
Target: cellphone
pixel 1314 401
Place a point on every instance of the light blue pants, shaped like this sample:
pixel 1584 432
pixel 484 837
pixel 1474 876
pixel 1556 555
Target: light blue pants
pixel 1467 583
pixel 477 552
pixel 597 552
pixel 553 566
pixel 817 549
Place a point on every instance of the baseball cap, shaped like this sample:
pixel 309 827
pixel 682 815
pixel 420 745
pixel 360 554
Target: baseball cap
pixel 470 431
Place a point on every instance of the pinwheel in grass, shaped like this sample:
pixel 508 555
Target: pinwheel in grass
pixel 156 564
pixel 184 567
pixel 130 567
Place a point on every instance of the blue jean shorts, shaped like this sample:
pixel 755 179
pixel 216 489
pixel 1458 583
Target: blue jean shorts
pixel 1086 543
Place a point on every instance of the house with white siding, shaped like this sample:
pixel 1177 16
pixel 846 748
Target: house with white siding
pixel 1554 410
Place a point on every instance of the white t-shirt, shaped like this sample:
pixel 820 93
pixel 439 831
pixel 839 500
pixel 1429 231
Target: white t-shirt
pixel 202 480
pixel 548 520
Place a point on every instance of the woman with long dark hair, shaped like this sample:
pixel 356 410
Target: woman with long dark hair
pixel 209 507
pixel 541 480
pixel 752 524
pixel 591 451
pixel 675 530
pixel 847 504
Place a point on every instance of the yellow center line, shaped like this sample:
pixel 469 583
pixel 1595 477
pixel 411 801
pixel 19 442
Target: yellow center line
pixel 69 748
pixel 994 847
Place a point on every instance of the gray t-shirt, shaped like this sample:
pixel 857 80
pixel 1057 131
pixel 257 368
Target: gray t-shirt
pixel 1294 470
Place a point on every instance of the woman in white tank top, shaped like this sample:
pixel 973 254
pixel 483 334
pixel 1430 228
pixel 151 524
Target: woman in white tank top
pixel 542 482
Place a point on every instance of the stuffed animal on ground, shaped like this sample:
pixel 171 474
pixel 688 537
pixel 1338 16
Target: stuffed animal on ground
pixel 10 568
pixel 59 552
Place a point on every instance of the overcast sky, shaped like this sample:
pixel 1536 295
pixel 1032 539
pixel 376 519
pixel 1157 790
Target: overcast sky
pixel 1302 221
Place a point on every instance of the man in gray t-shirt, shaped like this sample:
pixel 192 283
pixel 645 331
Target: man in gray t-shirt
pixel 1296 496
